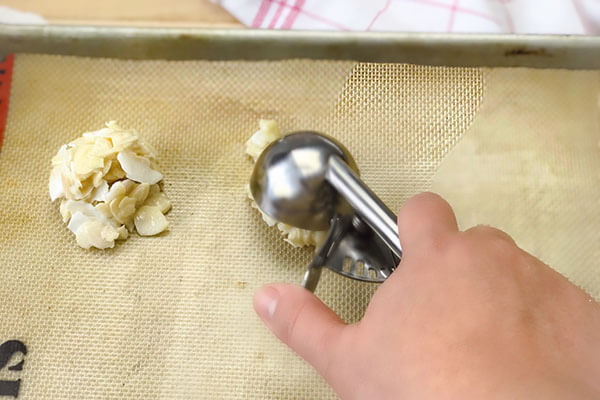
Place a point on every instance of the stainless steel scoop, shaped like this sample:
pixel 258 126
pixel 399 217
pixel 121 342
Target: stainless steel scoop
pixel 309 180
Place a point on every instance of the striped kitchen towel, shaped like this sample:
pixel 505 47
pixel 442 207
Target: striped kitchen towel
pixel 474 16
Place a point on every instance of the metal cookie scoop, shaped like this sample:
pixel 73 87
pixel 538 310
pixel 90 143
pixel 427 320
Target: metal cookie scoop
pixel 309 180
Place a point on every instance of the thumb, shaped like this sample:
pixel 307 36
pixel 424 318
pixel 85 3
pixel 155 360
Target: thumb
pixel 302 321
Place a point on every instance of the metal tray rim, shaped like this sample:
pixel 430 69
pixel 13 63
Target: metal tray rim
pixel 500 50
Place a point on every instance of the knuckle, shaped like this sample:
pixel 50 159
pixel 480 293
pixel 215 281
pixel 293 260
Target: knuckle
pixel 481 230
pixel 495 243
pixel 460 247
pixel 489 233
pixel 444 245
pixel 433 249
pixel 503 245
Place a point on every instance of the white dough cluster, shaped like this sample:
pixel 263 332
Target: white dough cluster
pixel 258 142
pixel 108 186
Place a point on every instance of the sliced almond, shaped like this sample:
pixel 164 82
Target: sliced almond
pixel 268 133
pixel 129 185
pixel 99 193
pixel 93 233
pixel 122 209
pixel 85 162
pixel 90 231
pixel 154 189
pixel 65 213
pixel 103 177
pixel 159 200
pixel 109 233
pixel 143 149
pixel 117 191
pixel 122 140
pixel 85 188
pixel 104 209
pixel 123 232
pixel 69 183
pixel 76 220
pixel 62 156
pixel 114 210
pixel 70 207
pixel 138 168
pixel 150 221
pixel 126 208
pixel 302 237
pixel 102 147
pixel 104 132
pixel 81 142
pixel 97 178
pixel 119 138
pixel 55 185
pixel 140 193
pixel 107 166
pixel 115 172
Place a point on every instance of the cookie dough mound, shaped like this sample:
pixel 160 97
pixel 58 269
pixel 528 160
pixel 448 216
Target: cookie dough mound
pixel 108 186
pixel 258 142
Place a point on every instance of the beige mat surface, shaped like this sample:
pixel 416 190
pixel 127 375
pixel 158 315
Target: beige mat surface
pixel 530 165
pixel 171 317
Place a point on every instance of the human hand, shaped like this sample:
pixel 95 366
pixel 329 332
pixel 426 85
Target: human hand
pixel 466 315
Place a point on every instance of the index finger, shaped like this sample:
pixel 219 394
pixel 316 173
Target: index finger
pixel 423 220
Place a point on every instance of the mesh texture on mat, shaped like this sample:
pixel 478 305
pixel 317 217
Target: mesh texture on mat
pixel 171 317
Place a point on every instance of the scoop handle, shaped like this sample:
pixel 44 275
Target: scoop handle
pixel 366 203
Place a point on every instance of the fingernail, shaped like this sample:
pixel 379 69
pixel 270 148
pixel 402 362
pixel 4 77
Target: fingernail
pixel 265 302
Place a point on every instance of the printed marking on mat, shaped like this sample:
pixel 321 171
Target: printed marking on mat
pixel 6 69
pixel 11 350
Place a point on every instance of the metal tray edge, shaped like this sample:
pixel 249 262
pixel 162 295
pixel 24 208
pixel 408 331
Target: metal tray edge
pixel 539 51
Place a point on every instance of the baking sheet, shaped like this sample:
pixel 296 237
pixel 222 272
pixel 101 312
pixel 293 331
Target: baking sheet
pixel 466 50
pixel 171 316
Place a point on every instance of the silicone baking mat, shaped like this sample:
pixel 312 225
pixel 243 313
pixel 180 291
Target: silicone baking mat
pixel 171 317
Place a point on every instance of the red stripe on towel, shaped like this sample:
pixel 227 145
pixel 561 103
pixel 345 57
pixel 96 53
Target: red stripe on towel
pixel 6 69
